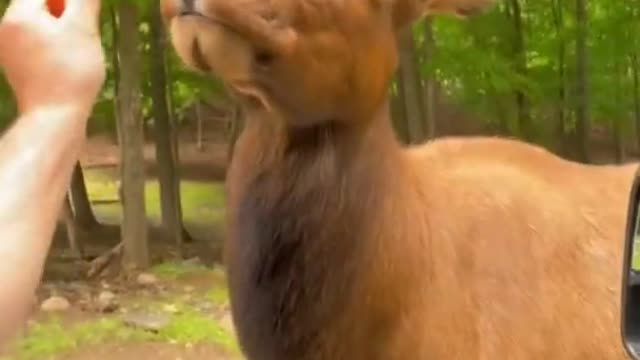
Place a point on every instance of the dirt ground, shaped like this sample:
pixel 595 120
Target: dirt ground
pixel 159 351
pixel 206 163
pixel 77 333
pixel 65 276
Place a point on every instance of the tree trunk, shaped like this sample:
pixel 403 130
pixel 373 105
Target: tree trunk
pixel 502 108
pixel 582 82
pixel 500 101
pixel 84 215
pixel 636 94
pixel 71 228
pixel 115 63
pixel 520 55
pixel 560 138
pixel 618 138
pixel 412 85
pixel 398 112
pixel 134 221
pixel 618 141
pixel 199 145
pixel 186 237
pixel 171 221
pixel 430 82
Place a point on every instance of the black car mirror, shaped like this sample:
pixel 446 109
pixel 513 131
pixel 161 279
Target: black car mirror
pixel 630 302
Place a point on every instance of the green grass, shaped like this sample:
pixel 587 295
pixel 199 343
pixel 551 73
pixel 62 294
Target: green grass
pixel 218 295
pixel 200 200
pixel 172 270
pixel 190 326
pixel 187 326
pixel 50 337
pixel 635 262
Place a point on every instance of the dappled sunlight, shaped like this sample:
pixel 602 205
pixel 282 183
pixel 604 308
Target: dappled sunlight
pixel 202 202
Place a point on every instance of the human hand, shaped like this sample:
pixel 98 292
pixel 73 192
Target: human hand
pixel 49 61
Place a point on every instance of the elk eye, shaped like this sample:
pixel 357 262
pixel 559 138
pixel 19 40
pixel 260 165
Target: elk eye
pixel 263 58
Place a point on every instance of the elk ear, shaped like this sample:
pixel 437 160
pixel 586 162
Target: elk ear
pixel 406 12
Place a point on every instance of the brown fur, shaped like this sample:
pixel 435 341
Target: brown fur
pixel 344 245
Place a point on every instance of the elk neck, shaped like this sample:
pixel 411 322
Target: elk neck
pixel 303 205
pixel 321 158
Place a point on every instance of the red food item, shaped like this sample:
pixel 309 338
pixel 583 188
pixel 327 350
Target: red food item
pixel 56 7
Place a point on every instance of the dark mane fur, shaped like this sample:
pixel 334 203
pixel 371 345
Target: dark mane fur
pixel 298 237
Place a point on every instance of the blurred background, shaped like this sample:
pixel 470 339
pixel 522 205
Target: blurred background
pixel 562 74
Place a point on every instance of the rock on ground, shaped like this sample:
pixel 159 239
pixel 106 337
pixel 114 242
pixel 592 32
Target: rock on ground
pixel 147 321
pixel 55 303
pixel 107 302
pixel 146 279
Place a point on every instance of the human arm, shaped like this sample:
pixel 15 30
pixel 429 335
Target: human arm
pixel 35 169
pixel 56 69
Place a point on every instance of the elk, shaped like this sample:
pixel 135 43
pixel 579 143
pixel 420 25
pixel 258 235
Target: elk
pixel 344 244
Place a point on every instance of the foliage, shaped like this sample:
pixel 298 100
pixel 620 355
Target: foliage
pixel 476 64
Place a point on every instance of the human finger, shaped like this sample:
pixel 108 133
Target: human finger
pixel 85 13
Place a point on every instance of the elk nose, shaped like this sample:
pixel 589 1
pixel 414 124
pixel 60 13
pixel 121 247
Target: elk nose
pixel 173 8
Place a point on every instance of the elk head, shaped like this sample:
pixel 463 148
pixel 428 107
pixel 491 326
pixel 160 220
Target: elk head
pixel 306 61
